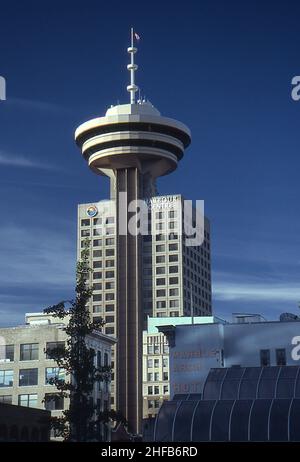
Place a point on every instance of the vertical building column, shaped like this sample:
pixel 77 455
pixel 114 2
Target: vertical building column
pixel 129 304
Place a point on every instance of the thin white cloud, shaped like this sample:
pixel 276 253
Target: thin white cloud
pixel 12 160
pixel 31 256
pixel 42 106
pixel 254 292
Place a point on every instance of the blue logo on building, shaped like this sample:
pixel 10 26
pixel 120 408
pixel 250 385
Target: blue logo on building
pixel 92 211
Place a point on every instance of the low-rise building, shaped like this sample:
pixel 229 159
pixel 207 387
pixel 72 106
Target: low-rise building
pixel 156 384
pixel 26 369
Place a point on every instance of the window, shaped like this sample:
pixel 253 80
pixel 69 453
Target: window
pixel 173 281
pixel 160 270
pixel 160 281
pixel 150 390
pixel 166 349
pixel 150 363
pixel 97 275
pixel 97 308
pixel 110 230
pixel 109 307
pixel 156 349
pixel 110 285
pixel 85 222
pixel 173 269
pixel 156 390
pixel 55 347
pixel 7 399
pixel 110 241
pixel 150 349
pixel 172 214
pixel 110 252
pixel 156 404
pixel 165 390
pixel 174 314
pixel 110 220
pixel 173 247
pixel 97 221
pixel 97 253
pixel 29 351
pixel 99 359
pixel 55 402
pixel 160 259
pixel 109 263
pixel 174 303
pixel 161 304
pixel 6 378
pixel 165 362
pixel 97 264
pixel 97 242
pixel 265 357
pixel 156 362
pixel 109 319
pixel 150 377
pixel 109 330
pixel 109 274
pixel 97 232
pixel 165 376
pixel 151 404
pixel 110 296
pixel 173 258
pixel 7 352
pixel 281 357
pixel 54 373
pixel 156 376
pixel 161 293
pixel 160 237
pixel 97 297
pixel 159 215
pixel 28 377
pixel 85 233
pixel 97 286
pixel 27 400
pixel 160 248
pixel 173 292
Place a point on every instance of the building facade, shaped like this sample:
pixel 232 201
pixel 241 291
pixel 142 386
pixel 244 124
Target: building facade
pixel 26 369
pixel 156 372
pixel 197 348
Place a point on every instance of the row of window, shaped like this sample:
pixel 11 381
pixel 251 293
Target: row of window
pixel 161 259
pixel 29 377
pixel 265 357
pixel 31 400
pixel 99 308
pixel 28 351
pixel 155 376
pixel 98 221
pixel 157 349
pixel 155 390
pixel 107 274
pixel 162 281
pixel 155 362
pixel 173 292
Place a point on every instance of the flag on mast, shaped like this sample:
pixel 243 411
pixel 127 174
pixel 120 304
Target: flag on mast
pixel 136 36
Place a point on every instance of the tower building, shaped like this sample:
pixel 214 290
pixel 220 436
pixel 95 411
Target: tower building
pixel 133 145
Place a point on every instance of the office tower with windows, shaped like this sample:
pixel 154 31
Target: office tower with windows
pixel 133 145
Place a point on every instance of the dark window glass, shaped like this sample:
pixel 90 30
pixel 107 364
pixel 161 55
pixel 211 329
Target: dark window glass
pixel 7 399
pixel 265 357
pixel 56 403
pixel 281 357
pixel 28 377
pixel 29 351
pixel 55 347
pixel 7 352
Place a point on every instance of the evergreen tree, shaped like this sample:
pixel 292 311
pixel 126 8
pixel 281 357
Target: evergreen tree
pixel 83 420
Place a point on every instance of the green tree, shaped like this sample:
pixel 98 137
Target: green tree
pixel 82 421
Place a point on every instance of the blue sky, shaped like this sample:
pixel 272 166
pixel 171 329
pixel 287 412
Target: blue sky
pixel 224 68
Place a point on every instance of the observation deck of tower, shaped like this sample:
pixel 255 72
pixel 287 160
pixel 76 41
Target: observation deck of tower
pixel 132 145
